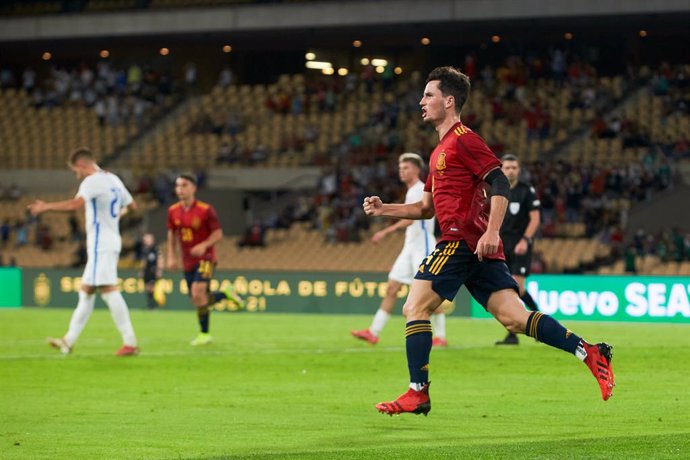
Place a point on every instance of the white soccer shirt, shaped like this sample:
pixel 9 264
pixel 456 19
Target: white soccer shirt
pixel 421 233
pixel 104 195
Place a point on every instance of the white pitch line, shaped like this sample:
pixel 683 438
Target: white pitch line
pixel 206 352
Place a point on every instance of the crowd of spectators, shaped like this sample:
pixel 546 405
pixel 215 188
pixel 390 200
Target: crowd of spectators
pixel 319 94
pixel 11 192
pixel 598 195
pixel 512 90
pixel 160 184
pixel 670 84
pixel 334 209
pixel 119 94
pixel 668 246
pixel 592 193
pixel 32 230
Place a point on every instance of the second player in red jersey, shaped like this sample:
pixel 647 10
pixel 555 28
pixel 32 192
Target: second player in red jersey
pixel 470 252
pixel 194 225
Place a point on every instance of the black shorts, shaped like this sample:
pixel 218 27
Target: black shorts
pixel 201 273
pixel 519 264
pixel 452 264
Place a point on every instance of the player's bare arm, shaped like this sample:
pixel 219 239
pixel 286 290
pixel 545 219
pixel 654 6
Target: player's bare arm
pixel 399 225
pixel 500 188
pixel 131 207
pixel 199 249
pixel 530 231
pixel 373 206
pixel 38 206
pixel 172 250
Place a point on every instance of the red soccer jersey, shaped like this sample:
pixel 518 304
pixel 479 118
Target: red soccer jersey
pixel 193 226
pixel 456 170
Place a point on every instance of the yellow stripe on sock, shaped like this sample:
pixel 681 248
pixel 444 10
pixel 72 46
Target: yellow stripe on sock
pixel 532 323
pixel 535 323
pixel 417 328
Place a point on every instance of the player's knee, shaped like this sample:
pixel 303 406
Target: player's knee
pixel 407 309
pixel 199 298
pixel 412 309
pixel 512 323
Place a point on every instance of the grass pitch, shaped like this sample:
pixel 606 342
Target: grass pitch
pixel 298 386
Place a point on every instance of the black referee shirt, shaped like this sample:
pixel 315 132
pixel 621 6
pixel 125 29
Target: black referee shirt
pixel 523 199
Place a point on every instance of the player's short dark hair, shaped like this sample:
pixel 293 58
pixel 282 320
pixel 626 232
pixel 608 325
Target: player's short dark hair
pixel 79 154
pixel 452 82
pixel 187 176
pixel 510 157
pixel 413 158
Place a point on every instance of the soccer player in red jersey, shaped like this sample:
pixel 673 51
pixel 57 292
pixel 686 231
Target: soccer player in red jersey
pixel 467 191
pixel 195 224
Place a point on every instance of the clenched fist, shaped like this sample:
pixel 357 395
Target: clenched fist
pixel 373 206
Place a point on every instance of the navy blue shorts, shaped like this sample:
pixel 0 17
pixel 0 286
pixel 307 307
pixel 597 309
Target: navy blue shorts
pixel 452 264
pixel 201 273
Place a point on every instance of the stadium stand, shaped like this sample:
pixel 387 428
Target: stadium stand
pixel 104 108
pixel 293 124
pixel 354 126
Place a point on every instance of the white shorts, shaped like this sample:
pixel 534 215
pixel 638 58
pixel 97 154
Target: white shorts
pixel 407 264
pixel 101 269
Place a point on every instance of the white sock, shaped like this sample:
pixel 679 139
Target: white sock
pixel 580 351
pixel 438 325
pixel 380 319
pixel 120 314
pixel 80 317
pixel 417 386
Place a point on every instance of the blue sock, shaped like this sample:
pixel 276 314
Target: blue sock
pixel 546 329
pixel 418 345
pixel 216 296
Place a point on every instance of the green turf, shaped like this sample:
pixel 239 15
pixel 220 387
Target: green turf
pixel 298 386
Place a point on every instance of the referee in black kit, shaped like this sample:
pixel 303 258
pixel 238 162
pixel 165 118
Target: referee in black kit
pixel 520 224
pixel 152 268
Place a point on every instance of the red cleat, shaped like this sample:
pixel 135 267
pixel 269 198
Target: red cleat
pixel 366 335
pixel 126 350
pixel 599 362
pixel 414 402
pixel 439 342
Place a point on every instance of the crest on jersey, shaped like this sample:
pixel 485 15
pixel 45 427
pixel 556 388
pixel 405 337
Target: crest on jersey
pixel 441 162
pixel 177 222
pixel 514 208
pixel 196 223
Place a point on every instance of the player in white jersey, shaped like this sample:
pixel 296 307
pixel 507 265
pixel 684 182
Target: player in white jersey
pixel 105 199
pixel 419 243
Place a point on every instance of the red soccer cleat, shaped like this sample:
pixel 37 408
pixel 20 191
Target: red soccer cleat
pixel 366 335
pixel 126 350
pixel 439 342
pixel 414 402
pixel 599 362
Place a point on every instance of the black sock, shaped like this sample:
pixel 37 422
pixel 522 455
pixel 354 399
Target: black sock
pixel 203 316
pixel 216 296
pixel 529 301
pixel 150 301
pixel 546 329
pixel 418 345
